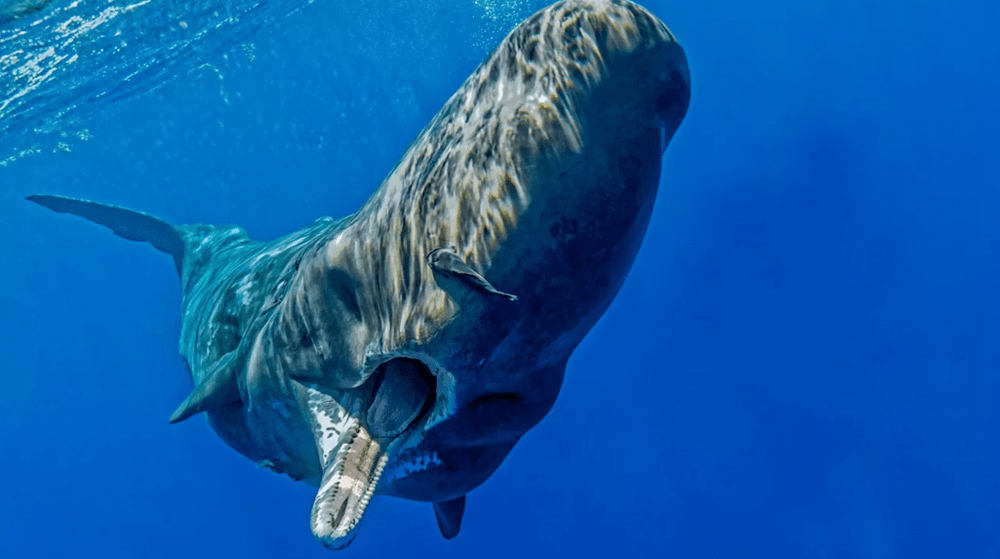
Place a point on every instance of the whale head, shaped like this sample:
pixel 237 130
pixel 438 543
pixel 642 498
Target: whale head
pixel 539 176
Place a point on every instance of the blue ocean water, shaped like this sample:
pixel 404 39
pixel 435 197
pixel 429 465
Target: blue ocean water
pixel 802 363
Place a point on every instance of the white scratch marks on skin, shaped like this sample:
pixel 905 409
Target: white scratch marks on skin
pixel 245 290
pixel 279 250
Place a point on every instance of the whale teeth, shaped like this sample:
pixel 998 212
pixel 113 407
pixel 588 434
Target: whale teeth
pixel 218 388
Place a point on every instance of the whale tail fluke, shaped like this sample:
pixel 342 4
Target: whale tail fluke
pixel 128 224
pixel 215 384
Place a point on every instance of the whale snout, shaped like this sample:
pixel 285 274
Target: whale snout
pixel 646 79
pixel 587 72
pixel 673 93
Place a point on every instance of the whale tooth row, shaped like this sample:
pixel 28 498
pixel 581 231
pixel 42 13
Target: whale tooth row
pixel 348 484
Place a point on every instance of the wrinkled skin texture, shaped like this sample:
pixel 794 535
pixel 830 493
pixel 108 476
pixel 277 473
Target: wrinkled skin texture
pixel 405 349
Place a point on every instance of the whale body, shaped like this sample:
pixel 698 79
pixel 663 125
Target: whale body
pixel 405 349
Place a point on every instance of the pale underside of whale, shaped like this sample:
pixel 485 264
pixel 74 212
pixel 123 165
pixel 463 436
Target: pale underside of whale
pixel 405 349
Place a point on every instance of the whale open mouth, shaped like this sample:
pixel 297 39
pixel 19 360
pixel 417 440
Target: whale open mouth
pixel 404 390
pixel 355 434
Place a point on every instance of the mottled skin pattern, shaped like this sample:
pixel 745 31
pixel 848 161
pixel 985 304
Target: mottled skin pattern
pixel 540 173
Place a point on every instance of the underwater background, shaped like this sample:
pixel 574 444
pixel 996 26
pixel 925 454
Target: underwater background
pixel 802 363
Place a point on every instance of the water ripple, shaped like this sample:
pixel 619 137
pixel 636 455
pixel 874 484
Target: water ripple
pixel 62 59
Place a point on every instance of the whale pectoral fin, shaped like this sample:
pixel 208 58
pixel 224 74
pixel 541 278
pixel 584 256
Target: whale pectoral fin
pixel 446 262
pixel 217 389
pixel 399 398
pixel 449 516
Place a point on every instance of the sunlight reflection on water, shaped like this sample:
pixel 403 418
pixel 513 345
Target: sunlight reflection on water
pixel 60 60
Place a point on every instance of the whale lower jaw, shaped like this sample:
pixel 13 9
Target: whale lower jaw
pixel 348 484
pixel 356 433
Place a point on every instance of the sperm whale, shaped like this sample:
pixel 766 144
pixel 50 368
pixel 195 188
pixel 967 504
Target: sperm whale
pixel 404 350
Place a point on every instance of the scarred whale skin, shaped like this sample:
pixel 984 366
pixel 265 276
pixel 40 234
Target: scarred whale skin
pixel 405 349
